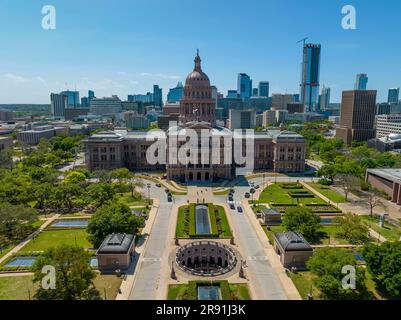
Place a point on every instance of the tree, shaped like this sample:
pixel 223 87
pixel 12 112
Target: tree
pixel 347 182
pixel 384 263
pixel 328 172
pixel 16 221
pixel 75 177
pixel 121 174
pixel 302 220
pixel 373 199
pixel 112 218
pixel 100 193
pixel 351 227
pixel 327 264
pixel 74 276
pixel 65 196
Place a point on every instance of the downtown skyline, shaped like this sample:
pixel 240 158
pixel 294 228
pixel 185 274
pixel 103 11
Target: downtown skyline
pixel 140 45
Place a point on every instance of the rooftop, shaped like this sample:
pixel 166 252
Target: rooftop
pixel 116 243
pixel 389 174
pixel 292 241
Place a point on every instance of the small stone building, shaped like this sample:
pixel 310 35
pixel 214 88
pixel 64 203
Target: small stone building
pixel 115 252
pixel 293 249
pixel 271 217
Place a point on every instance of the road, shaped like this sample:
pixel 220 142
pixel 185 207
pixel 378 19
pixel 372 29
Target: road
pixel 149 269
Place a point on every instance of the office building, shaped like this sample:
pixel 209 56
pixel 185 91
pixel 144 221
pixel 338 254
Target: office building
pixel 280 101
pixel 244 85
pixel 296 98
pixel 324 99
pixel 175 94
pixel 5 143
pixel 135 121
pixel 242 119
pixel 144 98
pixel 91 95
pixel 108 107
pixel 72 98
pixel 157 96
pixel 361 82
pixel 84 102
pixel 387 124
pixel 75 113
pixel 310 76
pixel 358 110
pixel 386 180
pixel 133 106
pixel 383 108
pixel 59 102
pixel 36 133
pixel 232 94
pixel 6 115
pixel 263 89
pixel 295 107
pixel 393 95
pixel 255 92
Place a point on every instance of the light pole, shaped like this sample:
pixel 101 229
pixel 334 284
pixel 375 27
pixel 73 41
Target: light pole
pixel 148 186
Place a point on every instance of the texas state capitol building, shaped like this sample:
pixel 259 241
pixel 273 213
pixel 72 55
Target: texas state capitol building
pixel 273 150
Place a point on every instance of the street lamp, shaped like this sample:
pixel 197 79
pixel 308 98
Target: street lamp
pixel 148 186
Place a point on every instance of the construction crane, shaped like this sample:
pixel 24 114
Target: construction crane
pixel 303 40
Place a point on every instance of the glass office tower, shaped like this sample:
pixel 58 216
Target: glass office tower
pixel 264 89
pixel 244 85
pixel 393 95
pixel 361 82
pixel 310 76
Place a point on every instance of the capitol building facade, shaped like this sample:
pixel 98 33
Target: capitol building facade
pixel 195 148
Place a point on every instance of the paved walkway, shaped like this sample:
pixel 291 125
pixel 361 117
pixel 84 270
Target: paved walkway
pixel 27 240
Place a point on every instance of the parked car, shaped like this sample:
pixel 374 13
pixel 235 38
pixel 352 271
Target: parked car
pixel 257 187
pixel 247 195
pixel 230 199
pixel 158 185
pixel 232 207
pixel 252 190
pixel 239 209
pixel 166 190
pixel 170 199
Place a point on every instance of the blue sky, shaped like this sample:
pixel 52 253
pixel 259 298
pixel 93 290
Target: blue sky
pixel 122 47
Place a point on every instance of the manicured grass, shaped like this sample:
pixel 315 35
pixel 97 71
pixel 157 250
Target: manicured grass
pixel 327 235
pixel 186 224
pixel 5 250
pixel 16 288
pixel 390 232
pixel 327 192
pixel 277 194
pixel 107 285
pixel 189 291
pixel 127 199
pixel 303 281
pixel 48 239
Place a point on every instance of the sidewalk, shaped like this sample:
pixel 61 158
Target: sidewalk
pixel 30 237
pixel 128 282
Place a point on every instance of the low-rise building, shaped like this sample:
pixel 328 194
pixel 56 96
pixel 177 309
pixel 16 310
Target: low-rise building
pixel 5 143
pixel 386 180
pixel 33 136
pixel 293 249
pixel 387 124
pixel 115 253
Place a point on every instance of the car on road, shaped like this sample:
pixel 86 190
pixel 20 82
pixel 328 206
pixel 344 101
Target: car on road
pixel 231 199
pixel 252 190
pixel 232 190
pixel 247 195
pixel 166 190
pixel 170 199
pixel 239 209
pixel 257 187
pixel 232 207
pixel 158 185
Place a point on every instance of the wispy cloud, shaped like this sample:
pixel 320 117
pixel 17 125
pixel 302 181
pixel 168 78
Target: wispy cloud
pixel 17 79
pixel 160 75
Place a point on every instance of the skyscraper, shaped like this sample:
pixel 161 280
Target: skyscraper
pixel 264 89
pixel 72 97
pixel 175 94
pixel 358 111
pixel 393 95
pixel 255 92
pixel 310 76
pixel 361 82
pixel 157 96
pixel 91 95
pixel 324 99
pixel 244 85
pixel 59 102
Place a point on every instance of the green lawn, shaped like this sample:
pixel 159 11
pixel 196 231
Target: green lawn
pixel 303 281
pixel 327 192
pixel 327 235
pixel 5 250
pixel 108 285
pixel 189 291
pixel 48 239
pixel 16 288
pixel 127 199
pixel 390 232
pixel 186 224
pixel 276 194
